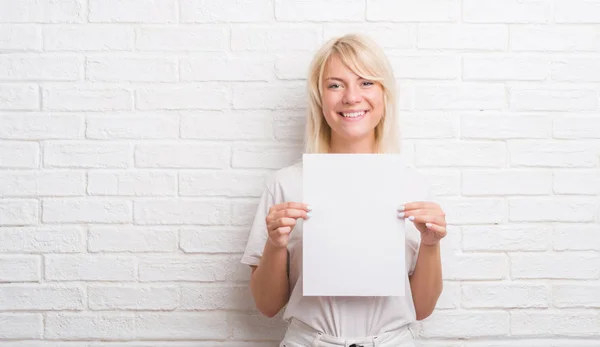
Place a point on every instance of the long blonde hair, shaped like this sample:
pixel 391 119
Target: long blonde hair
pixel 366 59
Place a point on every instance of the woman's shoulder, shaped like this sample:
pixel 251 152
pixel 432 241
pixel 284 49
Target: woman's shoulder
pixel 285 178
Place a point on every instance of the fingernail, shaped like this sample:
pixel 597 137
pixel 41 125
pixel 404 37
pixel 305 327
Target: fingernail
pixel 401 215
pixel 401 208
pixel 308 214
pixel 411 218
pixel 308 207
pixel 428 225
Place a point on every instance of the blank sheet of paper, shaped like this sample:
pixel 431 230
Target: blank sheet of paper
pixel 353 244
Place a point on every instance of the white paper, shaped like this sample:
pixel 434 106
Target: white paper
pixel 354 243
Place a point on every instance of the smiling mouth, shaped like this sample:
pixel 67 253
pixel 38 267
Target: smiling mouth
pixel 353 115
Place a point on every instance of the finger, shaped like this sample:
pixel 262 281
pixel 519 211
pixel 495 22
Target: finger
pixel 283 231
pixel 282 222
pixel 426 218
pixel 439 230
pixel 418 205
pixel 290 213
pixel 290 205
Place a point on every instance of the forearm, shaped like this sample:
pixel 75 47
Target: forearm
pixel 426 281
pixel 269 282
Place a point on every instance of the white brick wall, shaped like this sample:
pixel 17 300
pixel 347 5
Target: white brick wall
pixel 135 137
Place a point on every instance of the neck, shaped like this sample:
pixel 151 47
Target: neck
pixel 364 145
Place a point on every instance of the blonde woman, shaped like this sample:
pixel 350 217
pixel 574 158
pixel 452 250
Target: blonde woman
pixel 352 110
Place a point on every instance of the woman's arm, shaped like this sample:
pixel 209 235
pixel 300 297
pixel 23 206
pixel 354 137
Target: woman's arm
pixel 269 282
pixel 426 281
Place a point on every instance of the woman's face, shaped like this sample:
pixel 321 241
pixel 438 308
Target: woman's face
pixel 352 106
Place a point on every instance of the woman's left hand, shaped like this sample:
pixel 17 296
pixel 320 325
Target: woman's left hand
pixel 429 219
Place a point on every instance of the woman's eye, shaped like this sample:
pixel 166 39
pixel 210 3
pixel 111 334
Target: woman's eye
pixel 367 83
pixel 333 86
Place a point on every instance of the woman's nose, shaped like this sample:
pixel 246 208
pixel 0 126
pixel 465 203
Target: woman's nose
pixel 352 96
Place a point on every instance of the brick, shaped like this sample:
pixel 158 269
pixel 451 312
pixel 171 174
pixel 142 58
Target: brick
pixel 19 155
pixel 466 324
pixel 576 69
pixel 576 295
pixel 221 67
pixel 131 69
pixel 577 11
pixel 19 97
pixel 139 297
pixel 184 325
pixel 86 98
pixel 89 268
pixel 552 209
pixel 199 97
pixel 132 183
pixel 409 11
pixel 21 326
pixel 133 11
pixel 555 265
pixel 225 11
pixel 86 210
pixel 475 267
pixel 443 182
pixel 292 66
pixel 505 67
pixel 243 212
pixel 193 268
pixel 552 154
pixel 213 240
pixel 576 237
pixel 474 210
pixel 388 36
pixel 537 98
pixel 40 68
pixel 41 11
pixel 466 96
pixel 132 239
pixel 461 154
pixel 504 126
pixel 221 183
pixel 319 11
pixel 93 155
pixel 269 96
pixel 40 126
pixel 139 125
pixel 506 238
pixel 44 239
pixel 504 295
pixel 19 268
pixel 290 124
pixel 181 212
pixel 275 38
pixel 88 325
pixel 20 37
pixel 513 182
pixel 228 125
pixel 216 297
pixel 41 297
pixel 182 155
pixel 507 11
pixel 41 183
pixel 265 156
pixel 482 37
pixel 530 323
pixel 19 212
pixel 428 125
pixel 553 38
pixel 255 326
pixel 577 127
pixel 450 297
pixel 206 38
pixel 425 66
pixel 577 182
pixel 89 37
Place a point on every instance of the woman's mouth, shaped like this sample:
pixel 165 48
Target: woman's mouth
pixel 353 116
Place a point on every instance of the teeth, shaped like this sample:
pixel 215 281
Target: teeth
pixel 353 114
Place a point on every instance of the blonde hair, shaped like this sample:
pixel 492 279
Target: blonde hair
pixel 366 59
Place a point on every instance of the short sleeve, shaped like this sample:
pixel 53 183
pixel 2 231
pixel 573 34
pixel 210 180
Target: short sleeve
pixel 429 196
pixel 258 232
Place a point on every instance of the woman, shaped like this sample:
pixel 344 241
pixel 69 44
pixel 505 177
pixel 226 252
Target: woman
pixel 352 110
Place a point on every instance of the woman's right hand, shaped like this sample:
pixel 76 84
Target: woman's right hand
pixel 282 219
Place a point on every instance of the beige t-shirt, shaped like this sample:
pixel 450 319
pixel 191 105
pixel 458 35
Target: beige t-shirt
pixel 336 316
